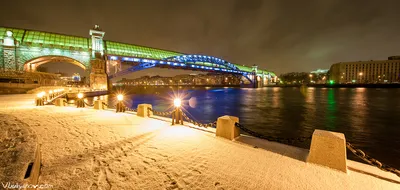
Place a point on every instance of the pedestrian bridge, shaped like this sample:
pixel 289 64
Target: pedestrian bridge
pixel 26 50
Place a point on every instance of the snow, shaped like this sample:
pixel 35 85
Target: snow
pixel 84 148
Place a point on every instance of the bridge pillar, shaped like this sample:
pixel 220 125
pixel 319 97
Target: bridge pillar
pixel 262 82
pixel 9 53
pixel 255 78
pixel 98 75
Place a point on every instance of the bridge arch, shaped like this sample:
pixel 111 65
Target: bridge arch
pixel 32 64
pixel 191 58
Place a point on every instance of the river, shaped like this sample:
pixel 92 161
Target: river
pixel 369 117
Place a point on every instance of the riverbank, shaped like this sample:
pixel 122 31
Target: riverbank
pixel 86 148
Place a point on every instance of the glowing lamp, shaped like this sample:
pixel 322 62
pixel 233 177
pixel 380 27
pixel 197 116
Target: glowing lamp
pixel 95 98
pixel 120 97
pixel 177 102
pixel 80 95
pixel 50 92
pixel 39 95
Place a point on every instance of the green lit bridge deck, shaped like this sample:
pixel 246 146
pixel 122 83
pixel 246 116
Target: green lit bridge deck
pixel 33 48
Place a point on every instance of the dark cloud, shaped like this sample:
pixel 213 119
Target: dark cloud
pixel 279 35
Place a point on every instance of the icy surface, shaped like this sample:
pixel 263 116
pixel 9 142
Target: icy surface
pixel 17 148
pixel 91 149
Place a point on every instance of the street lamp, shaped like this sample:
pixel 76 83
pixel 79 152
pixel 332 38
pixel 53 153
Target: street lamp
pixel 120 97
pixel 177 102
pixel 39 95
pixel 80 103
pixel 120 104
pixel 177 114
pixel 50 94
pixel 361 74
pixel 39 99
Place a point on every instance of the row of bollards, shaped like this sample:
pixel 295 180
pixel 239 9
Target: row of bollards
pixel 143 109
pixel 327 148
pixel 42 97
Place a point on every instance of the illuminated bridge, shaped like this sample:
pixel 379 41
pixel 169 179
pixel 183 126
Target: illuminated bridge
pixel 25 50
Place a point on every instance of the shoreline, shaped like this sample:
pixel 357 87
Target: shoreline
pixel 87 148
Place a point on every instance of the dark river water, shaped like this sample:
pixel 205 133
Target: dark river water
pixel 369 118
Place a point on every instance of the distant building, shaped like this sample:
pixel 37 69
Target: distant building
pixel 380 71
pixel 76 77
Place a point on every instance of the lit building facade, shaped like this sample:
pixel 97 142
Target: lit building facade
pixel 381 71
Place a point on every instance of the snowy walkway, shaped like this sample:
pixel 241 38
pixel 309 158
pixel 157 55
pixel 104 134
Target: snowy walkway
pixel 90 149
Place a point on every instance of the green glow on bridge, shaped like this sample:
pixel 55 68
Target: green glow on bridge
pixel 34 44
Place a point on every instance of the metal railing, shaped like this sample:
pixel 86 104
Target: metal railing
pixel 87 104
pixel 187 119
pixel 371 161
pixel 357 152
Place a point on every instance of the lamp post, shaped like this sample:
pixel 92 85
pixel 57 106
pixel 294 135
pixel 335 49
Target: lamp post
pixel 177 114
pixel 120 104
pixel 80 103
pixel 50 94
pixel 310 78
pixel 39 99
pixel 361 74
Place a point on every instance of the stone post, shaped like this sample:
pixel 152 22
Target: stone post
pixel 142 110
pixel 328 149
pixel 60 102
pixel 98 105
pixel 226 127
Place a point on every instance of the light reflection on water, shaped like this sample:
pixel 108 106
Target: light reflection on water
pixel 369 118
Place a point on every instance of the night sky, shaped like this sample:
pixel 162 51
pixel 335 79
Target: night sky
pixel 278 35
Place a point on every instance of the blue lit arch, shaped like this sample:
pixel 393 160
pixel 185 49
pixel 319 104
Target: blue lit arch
pixel 192 58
